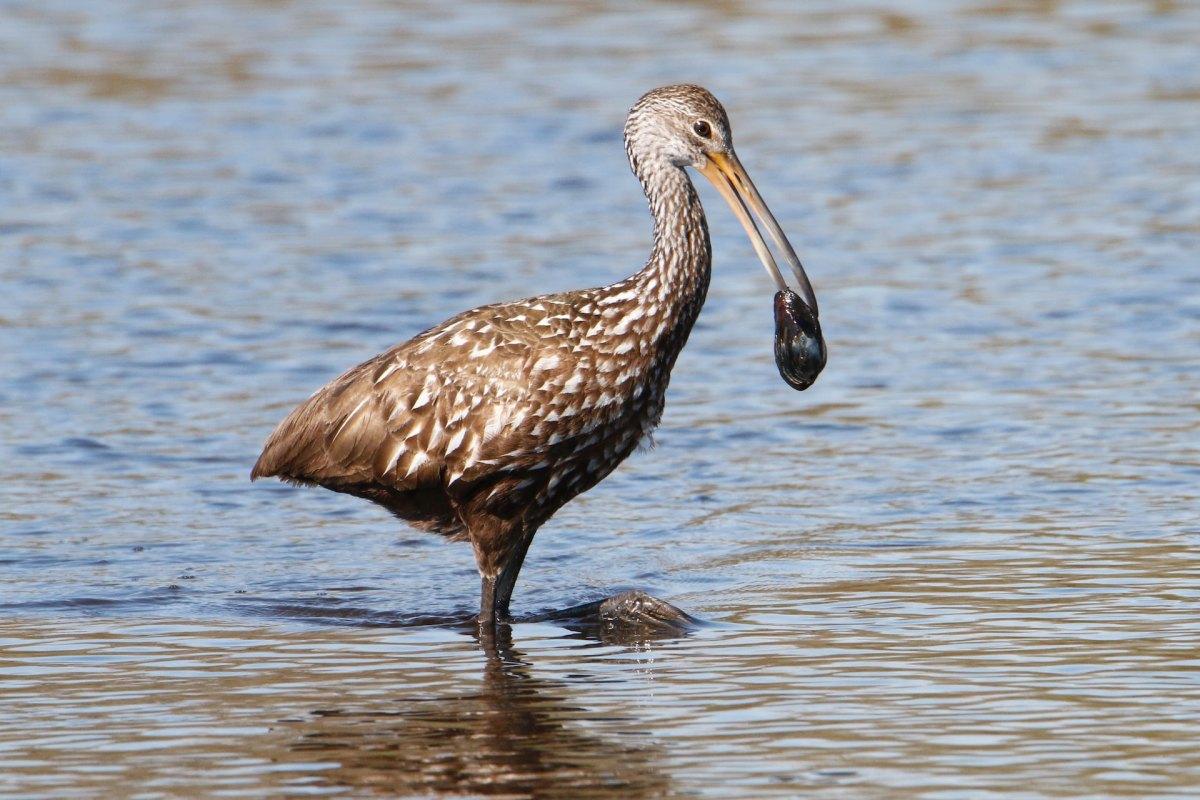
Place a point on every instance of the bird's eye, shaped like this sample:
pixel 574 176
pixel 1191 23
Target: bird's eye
pixel 702 129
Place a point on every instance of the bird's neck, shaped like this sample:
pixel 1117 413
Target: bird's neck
pixel 650 314
pixel 674 281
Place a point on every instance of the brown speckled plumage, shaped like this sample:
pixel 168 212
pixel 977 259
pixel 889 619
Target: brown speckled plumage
pixel 482 427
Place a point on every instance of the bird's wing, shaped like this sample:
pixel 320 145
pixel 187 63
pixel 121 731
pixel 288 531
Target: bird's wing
pixel 393 420
pixel 496 387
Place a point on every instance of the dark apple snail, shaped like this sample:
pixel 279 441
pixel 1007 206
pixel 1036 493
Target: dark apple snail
pixel 799 348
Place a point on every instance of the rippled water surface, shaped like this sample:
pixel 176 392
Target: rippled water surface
pixel 964 564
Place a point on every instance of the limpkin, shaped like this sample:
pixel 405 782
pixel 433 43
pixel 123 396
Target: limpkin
pixel 482 427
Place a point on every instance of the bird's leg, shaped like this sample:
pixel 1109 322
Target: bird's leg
pixel 500 546
pixel 496 590
pixel 487 602
pixel 507 579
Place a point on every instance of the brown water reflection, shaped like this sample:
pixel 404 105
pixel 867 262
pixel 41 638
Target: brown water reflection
pixel 514 735
pixel 246 716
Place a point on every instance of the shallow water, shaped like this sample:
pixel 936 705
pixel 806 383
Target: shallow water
pixel 964 564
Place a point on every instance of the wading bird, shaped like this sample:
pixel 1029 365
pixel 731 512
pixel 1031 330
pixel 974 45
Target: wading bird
pixel 482 427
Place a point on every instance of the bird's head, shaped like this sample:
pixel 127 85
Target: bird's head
pixel 678 124
pixel 685 126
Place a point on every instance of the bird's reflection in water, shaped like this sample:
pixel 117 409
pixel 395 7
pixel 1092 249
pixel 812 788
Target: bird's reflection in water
pixel 516 735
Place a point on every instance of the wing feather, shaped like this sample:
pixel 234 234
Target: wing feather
pixel 464 397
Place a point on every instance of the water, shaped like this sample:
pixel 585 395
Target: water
pixel 964 564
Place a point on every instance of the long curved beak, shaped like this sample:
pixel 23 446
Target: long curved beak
pixel 726 173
